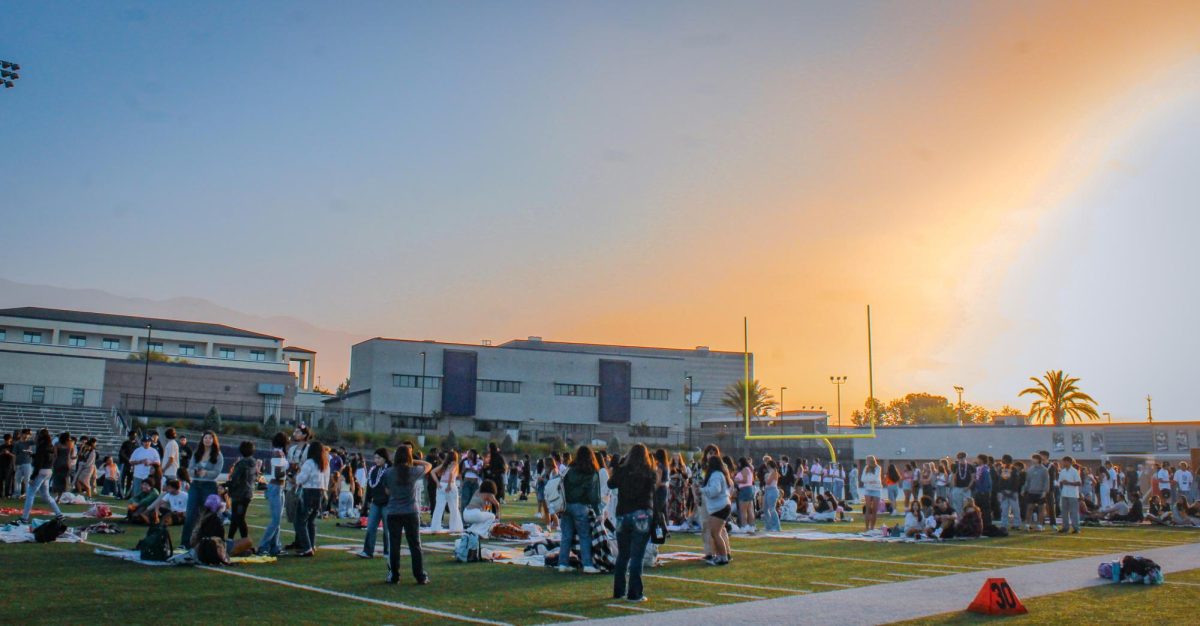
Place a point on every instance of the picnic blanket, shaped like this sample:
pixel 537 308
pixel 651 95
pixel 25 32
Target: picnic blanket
pixel 182 558
pixel 815 535
pixel 23 533
pixel 8 510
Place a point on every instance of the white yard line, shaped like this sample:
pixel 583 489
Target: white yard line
pixel 741 595
pixel 1174 582
pixel 725 584
pixel 692 602
pixel 629 607
pixel 870 580
pixel 817 582
pixel 937 571
pixel 559 614
pixel 805 555
pixel 331 592
pixel 905 575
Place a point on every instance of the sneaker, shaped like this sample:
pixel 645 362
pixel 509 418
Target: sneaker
pixel 641 599
pixel 564 568
pixel 392 580
pixel 424 580
pixel 712 560
pixel 23 520
pixel 724 561
pixel 591 570
pixel 363 555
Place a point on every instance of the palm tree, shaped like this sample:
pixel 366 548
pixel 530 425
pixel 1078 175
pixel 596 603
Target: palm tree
pixel 760 399
pixel 1058 396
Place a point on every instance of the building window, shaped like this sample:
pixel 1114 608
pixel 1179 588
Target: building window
pixel 154 346
pixel 412 422
pixel 407 380
pixel 186 350
pixel 3 335
pixel 643 393
pixel 499 386
pixel 1 393
pixel 258 355
pixel 226 353
pixel 110 344
pixel 77 341
pixel 76 397
pixel 33 337
pixel 38 396
pixel 642 430
pixel 587 391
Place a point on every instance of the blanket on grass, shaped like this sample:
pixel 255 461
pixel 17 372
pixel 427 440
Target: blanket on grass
pixel 182 558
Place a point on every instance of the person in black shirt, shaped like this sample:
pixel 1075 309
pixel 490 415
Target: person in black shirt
pixel 496 469
pixel 185 458
pixel 634 479
pixel 526 477
pixel 43 466
pixel 127 448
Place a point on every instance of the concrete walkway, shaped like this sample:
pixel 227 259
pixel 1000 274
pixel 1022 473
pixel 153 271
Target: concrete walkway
pixel 877 604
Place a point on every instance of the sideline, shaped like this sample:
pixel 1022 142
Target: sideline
pixel 949 596
pixel 331 592
pixel 807 555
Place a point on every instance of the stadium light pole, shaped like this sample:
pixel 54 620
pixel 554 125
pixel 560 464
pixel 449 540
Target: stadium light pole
pixel 781 390
pixel 690 403
pixel 146 368
pixel 839 381
pixel 8 73
pixel 959 389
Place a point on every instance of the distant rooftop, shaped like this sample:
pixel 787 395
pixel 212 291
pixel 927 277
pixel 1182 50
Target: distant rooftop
pixel 537 343
pixel 298 349
pixel 131 321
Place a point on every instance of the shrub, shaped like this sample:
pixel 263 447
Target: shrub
pixel 614 445
pixel 507 446
pixel 329 430
pixel 450 442
pixel 212 420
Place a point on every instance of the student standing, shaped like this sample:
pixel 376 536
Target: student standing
pixel 243 477
pixel 43 467
pixel 376 499
pixel 871 484
pixel 23 449
pixel 446 497
pixel 715 493
pixel 403 521
pixel 771 497
pixel 170 459
pixel 313 480
pixel 634 481
pixel 276 475
pixel 206 466
pixel 581 493
pixel 1069 484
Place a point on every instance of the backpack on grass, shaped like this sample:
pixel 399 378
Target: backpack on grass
pixel 156 545
pixel 466 548
pixel 49 530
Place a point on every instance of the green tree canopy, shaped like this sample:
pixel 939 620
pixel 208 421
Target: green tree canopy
pixel 1057 398
pixel 761 401
pixel 212 420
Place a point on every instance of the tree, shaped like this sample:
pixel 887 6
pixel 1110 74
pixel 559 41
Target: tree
pixel 271 426
pixel 1058 397
pixel 321 390
pixel 761 400
pixel 450 442
pixel 212 420
pixel 157 357
pixel 343 388
pixel 871 409
pixel 1007 410
pixel 614 445
pixel 329 429
pixel 508 446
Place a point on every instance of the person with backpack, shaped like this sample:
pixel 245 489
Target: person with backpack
pixel 581 496
pixel 403 519
pixel 243 477
pixel 206 466
pixel 375 500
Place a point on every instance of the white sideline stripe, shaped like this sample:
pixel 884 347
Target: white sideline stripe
pixel 937 571
pixel 682 601
pixel 721 582
pixel 739 595
pixel 630 608
pixel 964 544
pixel 817 582
pixel 805 555
pixel 339 594
pixel 906 575
pixel 870 580
pixel 996 564
pixel 1174 582
pixel 566 615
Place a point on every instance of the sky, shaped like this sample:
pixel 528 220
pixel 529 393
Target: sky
pixel 1009 185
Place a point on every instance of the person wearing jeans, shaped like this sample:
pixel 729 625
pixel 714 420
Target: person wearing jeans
pixel 376 499
pixel 581 493
pixel 403 514
pixel 771 497
pixel 276 475
pixel 43 465
pixel 634 481
pixel 1007 482
pixel 313 480
pixel 206 466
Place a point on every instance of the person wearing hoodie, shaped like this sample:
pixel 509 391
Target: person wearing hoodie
pixel 1037 484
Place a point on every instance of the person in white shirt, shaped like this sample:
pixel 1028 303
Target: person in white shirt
pixel 170 456
pixel 1106 485
pixel 1184 480
pixel 816 475
pixel 1069 483
pixel 171 507
pixel 143 461
pixel 1164 482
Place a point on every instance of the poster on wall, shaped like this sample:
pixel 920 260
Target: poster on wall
pixel 1160 441
pixel 1181 440
pixel 1097 442
pixel 1059 442
pixel 1076 442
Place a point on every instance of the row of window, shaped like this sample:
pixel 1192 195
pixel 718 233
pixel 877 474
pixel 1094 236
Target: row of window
pixel 586 391
pixel 645 393
pixel 405 380
pixel 110 343
pixel 38 395
pixel 499 386
pixel 514 386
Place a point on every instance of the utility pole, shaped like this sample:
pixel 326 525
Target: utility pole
pixel 959 389
pixel 146 369
pixel 1149 410
pixel 839 381
pixel 690 403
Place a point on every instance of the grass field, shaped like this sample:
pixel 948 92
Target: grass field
pixel 67 583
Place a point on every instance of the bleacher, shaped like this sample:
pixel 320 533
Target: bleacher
pixel 92 421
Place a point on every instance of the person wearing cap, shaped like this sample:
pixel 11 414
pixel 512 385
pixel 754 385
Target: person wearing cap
pixel 143 460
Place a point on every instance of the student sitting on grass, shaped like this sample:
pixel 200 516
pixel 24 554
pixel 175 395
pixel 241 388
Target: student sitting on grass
pixel 914 520
pixel 139 509
pixel 211 528
pixel 1180 515
pixel 170 508
pixel 969 524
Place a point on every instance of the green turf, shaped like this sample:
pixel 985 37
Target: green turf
pixel 66 583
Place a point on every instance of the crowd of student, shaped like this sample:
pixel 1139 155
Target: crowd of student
pixel 640 493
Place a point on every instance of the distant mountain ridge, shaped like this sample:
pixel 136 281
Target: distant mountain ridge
pixel 332 346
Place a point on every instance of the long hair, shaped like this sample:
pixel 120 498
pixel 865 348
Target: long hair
pixel 317 453
pixel 872 466
pixel 212 452
pixel 44 440
pixel 449 462
pixel 403 457
pixel 638 461
pixel 892 473
pixel 714 465
pixel 585 461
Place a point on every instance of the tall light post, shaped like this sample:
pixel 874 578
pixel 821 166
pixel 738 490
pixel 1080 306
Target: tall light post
pixel 839 381
pixel 422 384
pixel 959 389
pixel 146 369
pixel 690 403
pixel 1109 416
pixel 1149 410
pixel 781 390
